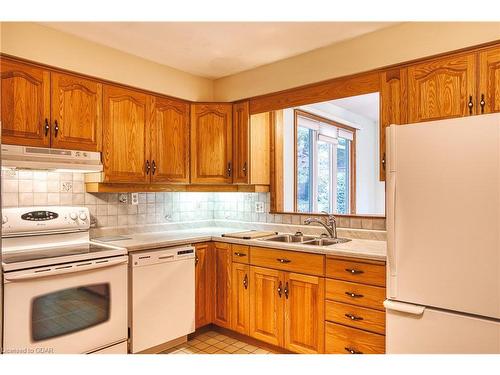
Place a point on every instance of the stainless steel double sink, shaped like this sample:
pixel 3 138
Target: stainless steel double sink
pixel 306 240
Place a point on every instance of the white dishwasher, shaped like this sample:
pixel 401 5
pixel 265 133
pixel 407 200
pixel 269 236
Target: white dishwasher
pixel 162 296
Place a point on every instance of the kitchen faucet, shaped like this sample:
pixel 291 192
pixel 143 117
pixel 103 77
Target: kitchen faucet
pixel 330 225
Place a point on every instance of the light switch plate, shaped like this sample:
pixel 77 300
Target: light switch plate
pixel 259 207
pixel 134 198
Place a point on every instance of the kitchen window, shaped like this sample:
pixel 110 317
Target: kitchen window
pixel 324 165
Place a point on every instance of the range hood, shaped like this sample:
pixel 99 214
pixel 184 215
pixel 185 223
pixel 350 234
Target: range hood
pixel 53 159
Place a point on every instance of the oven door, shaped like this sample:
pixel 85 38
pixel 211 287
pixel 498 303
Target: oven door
pixel 68 308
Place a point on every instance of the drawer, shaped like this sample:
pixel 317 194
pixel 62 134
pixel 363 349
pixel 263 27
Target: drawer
pixel 340 339
pixel 241 253
pixel 355 294
pixel 355 316
pixel 295 261
pixel 356 271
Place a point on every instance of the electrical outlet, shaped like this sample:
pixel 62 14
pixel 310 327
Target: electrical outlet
pixel 134 198
pixel 259 207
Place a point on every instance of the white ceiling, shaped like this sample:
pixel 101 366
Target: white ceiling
pixel 365 105
pixel 216 49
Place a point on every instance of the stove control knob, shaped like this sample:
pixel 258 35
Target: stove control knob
pixel 5 219
pixel 73 216
pixel 83 216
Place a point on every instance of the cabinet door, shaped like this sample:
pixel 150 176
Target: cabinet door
pixel 169 141
pixel 393 105
pixel 241 119
pixel 489 81
pixel 266 305
pixel 204 285
pixel 25 93
pixel 76 113
pixel 304 313
pixel 442 88
pixel 240 298
pixel 222 288
pixel 125 148
pixel 211 143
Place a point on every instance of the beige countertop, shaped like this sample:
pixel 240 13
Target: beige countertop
pixel 358 248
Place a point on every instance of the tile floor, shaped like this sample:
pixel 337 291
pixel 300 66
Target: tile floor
pixel 212 342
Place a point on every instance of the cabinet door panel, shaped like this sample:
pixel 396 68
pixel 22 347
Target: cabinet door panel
pixel 489 81
pixel 304 313
pixel 25 95
pixel 222 258
pixel 441 88
pixel 266 305
pixel 241 119
pixel 125 135
pixel 170 141
pixel 240 295
pixel 77 111
pixel 211 143
pixel 204 285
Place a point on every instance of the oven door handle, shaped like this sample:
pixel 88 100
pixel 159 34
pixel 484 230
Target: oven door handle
pixel 63 269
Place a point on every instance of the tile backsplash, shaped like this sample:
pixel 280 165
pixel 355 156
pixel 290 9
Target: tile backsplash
pixel 40 188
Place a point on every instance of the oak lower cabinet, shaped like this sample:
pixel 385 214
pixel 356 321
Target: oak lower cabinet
pixel 222 284
pixel 204 285
pixel 240 298
pixel 287 309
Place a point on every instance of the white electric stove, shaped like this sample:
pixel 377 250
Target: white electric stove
pixel 62 292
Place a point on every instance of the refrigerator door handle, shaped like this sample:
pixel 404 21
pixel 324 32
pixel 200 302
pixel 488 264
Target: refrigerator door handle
pixel 403 307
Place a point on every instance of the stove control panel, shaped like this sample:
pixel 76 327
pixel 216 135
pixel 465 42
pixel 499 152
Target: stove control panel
pixel 18 221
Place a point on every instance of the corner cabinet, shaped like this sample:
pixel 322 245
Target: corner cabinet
pixel 211 143
pixel 126 136
pixel 489 81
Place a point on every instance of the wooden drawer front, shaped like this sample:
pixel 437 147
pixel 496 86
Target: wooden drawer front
pixel 241 254
pixel 360 272
pixel 311 264
pixel 355 316
pixel 340 339
pixel 355 294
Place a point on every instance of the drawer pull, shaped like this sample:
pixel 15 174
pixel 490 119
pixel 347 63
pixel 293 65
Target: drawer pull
pixel 353 317
pixel 353 271
pixel 240 254
pixel 352 351
pixel 354 295
pixel 283 260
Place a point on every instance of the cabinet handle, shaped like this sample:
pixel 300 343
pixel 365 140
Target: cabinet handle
pixel 482 103
pixel 154 167
pixel 283 260
pixel 56 129
pixel 245 281
pixel 229 169
pixel 354 295
pixel 240 254
pixel 47 127
pixel 286 290
pixel 353 317
pixel 352 350
pixel 279 289
pixel 470 105
pixel 148 167
pixel 196 259
pixel 353 271
pixel 383 161
pixel 245 168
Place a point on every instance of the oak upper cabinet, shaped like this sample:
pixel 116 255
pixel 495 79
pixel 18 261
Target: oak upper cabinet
pixel 393 106
pixel 251 146
pixel 126 136
pixel 304 313
pixel 211 143
pixel 489 81
pixel 266 305
pixel 240 298
pixel 25 92
pixel 76 113
pixel 169 141
pixel 222 284
pixel 442 88
pixel 204 295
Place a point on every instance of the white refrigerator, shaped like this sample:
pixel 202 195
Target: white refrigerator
pixel 443 236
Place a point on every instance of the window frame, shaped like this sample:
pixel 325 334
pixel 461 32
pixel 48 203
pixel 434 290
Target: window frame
pixel 352 164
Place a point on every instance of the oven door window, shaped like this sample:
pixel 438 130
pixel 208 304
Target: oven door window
pixel 69 310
